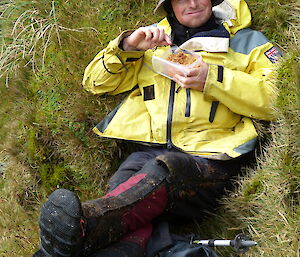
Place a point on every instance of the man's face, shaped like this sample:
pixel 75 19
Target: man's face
pixel 192 13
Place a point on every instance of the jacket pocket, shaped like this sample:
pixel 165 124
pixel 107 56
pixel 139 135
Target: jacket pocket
pixel 149 93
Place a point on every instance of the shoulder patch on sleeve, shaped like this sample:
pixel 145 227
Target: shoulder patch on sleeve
pixel 273 54
pixel 245 40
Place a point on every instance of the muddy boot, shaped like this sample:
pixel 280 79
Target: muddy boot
pixel 182 168
pixel 194 186
pixel 130 206
pixel 69 228
pixel 60 231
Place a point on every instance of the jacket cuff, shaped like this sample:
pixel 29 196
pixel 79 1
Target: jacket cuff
pixel 125 56
pixel 214 82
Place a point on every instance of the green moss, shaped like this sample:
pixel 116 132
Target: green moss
pixel 44 173
pixel 59 175
pixel 253 188
pixel 32 146
pixel 56 175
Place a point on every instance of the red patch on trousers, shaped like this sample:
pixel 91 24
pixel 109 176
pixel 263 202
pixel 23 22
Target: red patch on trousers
pixel 145 210
pixel 126 185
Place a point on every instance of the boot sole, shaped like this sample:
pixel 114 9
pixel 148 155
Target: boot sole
pixel 60 227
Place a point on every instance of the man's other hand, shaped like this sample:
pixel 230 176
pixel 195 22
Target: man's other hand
pixel 146 38
pixel 195 78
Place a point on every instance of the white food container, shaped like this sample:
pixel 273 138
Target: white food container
pixel 168 68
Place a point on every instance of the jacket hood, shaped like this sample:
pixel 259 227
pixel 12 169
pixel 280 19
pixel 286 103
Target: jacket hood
pixel 233 14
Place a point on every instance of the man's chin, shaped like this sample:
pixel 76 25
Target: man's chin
pixel 193 24
pixel 194 20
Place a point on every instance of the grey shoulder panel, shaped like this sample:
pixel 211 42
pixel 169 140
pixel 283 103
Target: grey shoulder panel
pixel 246 147
pixel 246 40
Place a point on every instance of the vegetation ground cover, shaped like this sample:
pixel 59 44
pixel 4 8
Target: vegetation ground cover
pixel 46 121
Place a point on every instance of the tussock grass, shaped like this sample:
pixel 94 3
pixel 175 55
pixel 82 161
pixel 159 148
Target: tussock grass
pixel 28 33
pixel 30 37
pixel 46 121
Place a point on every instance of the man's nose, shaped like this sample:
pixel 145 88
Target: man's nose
pixel 193 3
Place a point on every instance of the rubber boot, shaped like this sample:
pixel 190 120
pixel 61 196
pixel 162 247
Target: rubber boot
pixel 194 186
pixel 69 228
pixel 61 233
pixel 127 208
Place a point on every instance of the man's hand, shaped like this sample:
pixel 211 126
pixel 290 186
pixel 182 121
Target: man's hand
pixel 195 78
pixel 146 38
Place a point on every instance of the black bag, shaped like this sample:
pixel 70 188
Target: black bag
pixel 164 244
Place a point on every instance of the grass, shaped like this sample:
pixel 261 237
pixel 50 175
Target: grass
pixel 46 121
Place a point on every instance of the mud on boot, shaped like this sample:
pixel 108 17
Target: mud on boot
pixel 128 207
pixel 194 186
pixel 60 222
pixel 178 164
pixel 185 170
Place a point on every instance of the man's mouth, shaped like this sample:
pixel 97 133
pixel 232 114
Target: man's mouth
pixel 194 12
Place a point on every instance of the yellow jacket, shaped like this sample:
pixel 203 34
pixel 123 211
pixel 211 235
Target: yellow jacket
pixel 215 123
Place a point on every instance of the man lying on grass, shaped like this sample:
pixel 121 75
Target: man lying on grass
pixel 193 131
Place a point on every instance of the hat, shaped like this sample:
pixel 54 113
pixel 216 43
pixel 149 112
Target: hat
pixel 159 9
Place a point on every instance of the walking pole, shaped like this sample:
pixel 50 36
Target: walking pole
pixel 241 243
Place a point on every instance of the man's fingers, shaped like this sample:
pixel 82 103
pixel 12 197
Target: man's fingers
pixel 161 35
pixel 146 38
pixel 168 39
pixel 156 35
pixel 189 79
pixel 148 34
pixel 183 80
pixel 193 72
pixel 189 82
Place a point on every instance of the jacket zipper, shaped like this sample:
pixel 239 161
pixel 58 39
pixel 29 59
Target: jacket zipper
pixel 170 115
pixel 213 110
pixel 188 103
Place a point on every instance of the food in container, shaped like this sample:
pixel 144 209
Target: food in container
pixel 181 58
pixel 175 61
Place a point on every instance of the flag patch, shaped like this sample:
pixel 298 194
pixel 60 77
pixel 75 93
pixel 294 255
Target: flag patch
pixel 273 54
